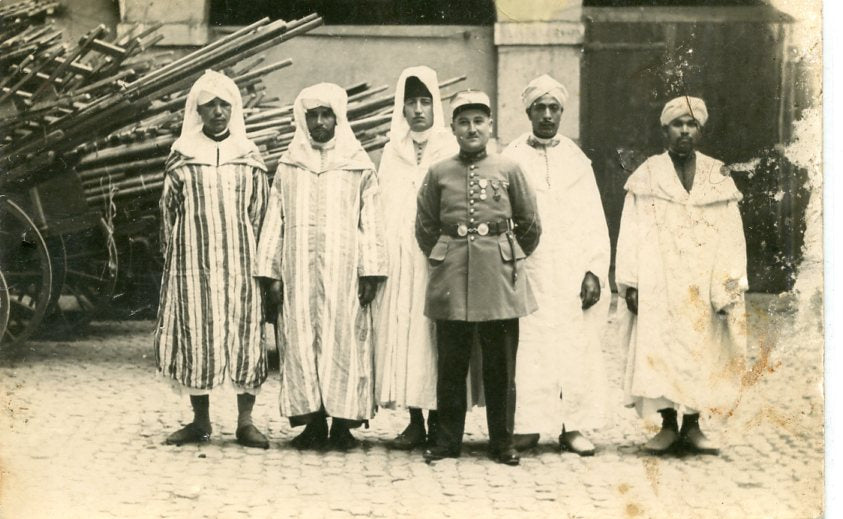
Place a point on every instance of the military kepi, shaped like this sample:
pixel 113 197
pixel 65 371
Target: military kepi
pixel 470 99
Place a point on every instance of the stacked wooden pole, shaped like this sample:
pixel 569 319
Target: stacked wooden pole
pixel 108 111
pixel 75 102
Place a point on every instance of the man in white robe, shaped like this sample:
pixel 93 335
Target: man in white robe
pixel 321 250
pixel 405 347
pixel 560 375
pixel 681 269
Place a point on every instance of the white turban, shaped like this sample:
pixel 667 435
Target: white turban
pixel 328 95
pixel 343 151
pixel 210 85
pixel 542 85
pixel 684 105
pixel 215 84
pixel 191 143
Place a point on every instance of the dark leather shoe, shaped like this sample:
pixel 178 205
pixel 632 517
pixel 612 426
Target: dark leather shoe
pixel 664 442
pixel 432 428
pixel 413 436
pixel 314 436
pixel 522 442
pixel 191 433
pixel 341 439
pixel 506 456
pixel 575 442
pixel 437 453
pixel 250 436
pixel 695 442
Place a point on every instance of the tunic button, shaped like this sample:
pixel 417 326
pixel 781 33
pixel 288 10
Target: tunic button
pixel 473 166
pixel 471 201
pixel 471 238
pixel 471 220
pixel 471 210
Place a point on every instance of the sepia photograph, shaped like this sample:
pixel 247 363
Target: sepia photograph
pixel 414 258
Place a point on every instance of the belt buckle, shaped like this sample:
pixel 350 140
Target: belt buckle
pixel 462 230
pixel 482 229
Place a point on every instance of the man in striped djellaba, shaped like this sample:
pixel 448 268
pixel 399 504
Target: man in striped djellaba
pixel 322 252
pixel 210 315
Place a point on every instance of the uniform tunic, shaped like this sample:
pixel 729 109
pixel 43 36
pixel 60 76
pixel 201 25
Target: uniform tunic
pixel 559 350
pixel 476 222
pixel 209 318
pixel 474 277
pixel 686 255
pixel 323 231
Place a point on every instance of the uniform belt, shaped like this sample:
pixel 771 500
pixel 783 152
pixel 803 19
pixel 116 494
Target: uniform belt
pixel 461 230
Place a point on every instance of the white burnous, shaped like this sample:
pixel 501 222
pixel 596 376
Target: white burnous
pixel 560 374
pixel 681 266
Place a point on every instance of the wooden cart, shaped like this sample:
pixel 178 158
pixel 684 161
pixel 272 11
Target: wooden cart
pixel 57 257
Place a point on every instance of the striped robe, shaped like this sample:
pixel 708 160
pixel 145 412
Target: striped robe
pixel 210 315
pixel 323 231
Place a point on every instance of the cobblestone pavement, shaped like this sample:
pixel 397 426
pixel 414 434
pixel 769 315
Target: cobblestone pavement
pixel 83 423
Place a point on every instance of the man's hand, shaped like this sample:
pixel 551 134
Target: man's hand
pixel 272 297
pixel 632 300
pixel 275 295
pixel 590 290
pixel 367 287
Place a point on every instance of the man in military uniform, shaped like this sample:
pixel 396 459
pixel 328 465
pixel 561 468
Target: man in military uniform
pixel 476 222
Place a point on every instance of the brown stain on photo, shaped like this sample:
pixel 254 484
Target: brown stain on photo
pixel 653 472
pixel 632 510
pixel 769 414
pixel 766 344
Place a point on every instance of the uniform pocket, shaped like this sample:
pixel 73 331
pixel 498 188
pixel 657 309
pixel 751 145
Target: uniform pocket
pixel 439 251
pixel 507 249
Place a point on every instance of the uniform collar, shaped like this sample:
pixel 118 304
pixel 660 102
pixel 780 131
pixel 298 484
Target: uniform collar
pixel 472 157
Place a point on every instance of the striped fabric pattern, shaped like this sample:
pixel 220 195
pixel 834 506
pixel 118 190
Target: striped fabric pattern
pixel 210 317
pixel 322 231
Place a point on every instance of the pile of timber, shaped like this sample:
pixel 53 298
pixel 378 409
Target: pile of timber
pixel 64 101
pixel 24 31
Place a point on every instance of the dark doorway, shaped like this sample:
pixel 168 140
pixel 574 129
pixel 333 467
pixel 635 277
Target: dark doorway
pixel 637 60
pixel 357 12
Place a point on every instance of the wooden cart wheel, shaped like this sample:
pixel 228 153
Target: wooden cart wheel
pixel 25 262
pixel 4 307
pixel 89 275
